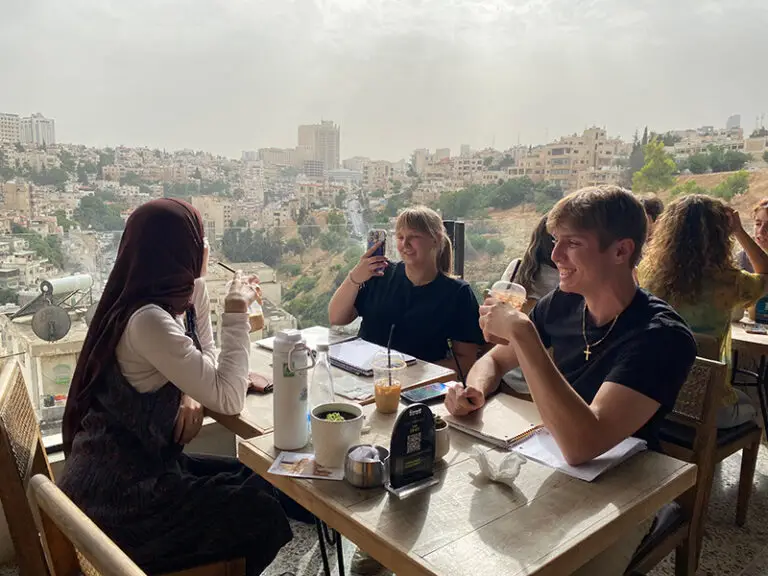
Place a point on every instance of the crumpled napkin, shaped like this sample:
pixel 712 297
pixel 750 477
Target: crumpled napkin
pixel 499 467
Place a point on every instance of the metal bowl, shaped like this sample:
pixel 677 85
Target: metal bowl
pixel 363 474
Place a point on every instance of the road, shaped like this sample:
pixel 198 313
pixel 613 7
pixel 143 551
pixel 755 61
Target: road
pixel 355 216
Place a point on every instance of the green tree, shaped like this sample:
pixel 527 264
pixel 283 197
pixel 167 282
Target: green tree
pixel 67 160
pixel 336 221
pixel 340 199
pixel 735 185
pixel 495 247
pixel 477 241
pixel 759 132
pixel 48 247
pixel 332 242
pixel 487 161
pixel 93 213
pixel 62 220
pixel 82 174
pixel 688 187
pixel 378 193
pixel 131 179
pixel 735 160
pixel 698 163
pixel 765 156
pixel 658 171
pixel 309 230
pixel 52 177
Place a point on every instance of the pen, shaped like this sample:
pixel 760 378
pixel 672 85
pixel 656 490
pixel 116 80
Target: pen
pixel 458 366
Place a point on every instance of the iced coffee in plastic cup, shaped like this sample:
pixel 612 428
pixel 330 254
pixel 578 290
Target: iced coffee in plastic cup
pixel 509 292
pixel 387 381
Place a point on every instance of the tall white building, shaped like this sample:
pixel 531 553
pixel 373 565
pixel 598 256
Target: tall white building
pixel 10 128
pixel 324 140
pixel 37 129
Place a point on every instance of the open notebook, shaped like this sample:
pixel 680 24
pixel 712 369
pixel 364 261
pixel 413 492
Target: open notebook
pixel 357 356
pixel 514 424
pixel 502 421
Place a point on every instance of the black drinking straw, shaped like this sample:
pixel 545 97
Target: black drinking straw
pixel 227 268
pixel 389 353
pixel 514 271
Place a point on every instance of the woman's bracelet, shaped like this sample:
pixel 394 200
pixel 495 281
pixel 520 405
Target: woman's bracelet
pixel 349 277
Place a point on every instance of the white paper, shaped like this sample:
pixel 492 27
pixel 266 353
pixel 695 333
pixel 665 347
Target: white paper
pixel 542 448
pixel 353 388
pixel 303 465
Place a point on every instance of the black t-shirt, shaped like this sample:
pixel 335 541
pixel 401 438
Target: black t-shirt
pixel 425 317
pixel 650 350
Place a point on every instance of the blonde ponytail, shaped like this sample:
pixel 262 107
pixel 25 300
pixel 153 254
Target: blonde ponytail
pixel 445 256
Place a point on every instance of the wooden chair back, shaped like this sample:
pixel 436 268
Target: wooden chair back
pixel 696 407
pixel 22 455
pixel 69 536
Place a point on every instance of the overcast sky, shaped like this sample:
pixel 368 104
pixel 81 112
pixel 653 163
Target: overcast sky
pixel 228 75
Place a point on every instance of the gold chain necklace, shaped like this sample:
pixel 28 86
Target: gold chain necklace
pixel 587 351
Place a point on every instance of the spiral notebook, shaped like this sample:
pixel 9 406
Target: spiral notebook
pixel 357 356
pixel 502 421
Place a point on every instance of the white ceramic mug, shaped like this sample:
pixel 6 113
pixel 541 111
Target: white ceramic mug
pixel 331 439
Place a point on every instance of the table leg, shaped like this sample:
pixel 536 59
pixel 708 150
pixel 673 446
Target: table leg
pixel 339 554
pixel 323 552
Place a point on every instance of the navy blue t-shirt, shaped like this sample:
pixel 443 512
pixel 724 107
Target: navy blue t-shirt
pixel 425 317
pixel 650 350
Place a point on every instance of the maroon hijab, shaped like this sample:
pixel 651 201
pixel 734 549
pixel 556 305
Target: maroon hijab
pixel 159 258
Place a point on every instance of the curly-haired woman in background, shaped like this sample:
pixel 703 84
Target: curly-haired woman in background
pixel 690 264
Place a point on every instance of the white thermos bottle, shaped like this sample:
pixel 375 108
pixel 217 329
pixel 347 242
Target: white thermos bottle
pixel 291 358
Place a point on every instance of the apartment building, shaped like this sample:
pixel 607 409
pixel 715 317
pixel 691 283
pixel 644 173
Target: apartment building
pixel 10 128
pixel 38 130
pixel 218 214
pixel 376 175
pixel 465 166
pixel 324 140
pixel 17 197
pixel 355 163
pixel 419 160
pixel 279 157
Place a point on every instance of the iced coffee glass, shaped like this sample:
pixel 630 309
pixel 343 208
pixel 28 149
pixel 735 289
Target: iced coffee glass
pixel 388 372
pixel 509 292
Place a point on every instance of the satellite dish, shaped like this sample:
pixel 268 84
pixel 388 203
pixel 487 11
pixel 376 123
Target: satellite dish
pixel 90 313
pixel 51 323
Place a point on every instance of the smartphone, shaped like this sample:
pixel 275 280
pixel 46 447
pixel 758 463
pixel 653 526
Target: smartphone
pixel 427 393
pixel 757 329
pixel 378 236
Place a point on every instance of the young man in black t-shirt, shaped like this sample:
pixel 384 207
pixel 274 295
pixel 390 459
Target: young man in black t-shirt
pixel 620 355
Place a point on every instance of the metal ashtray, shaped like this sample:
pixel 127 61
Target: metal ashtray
pixel 367 473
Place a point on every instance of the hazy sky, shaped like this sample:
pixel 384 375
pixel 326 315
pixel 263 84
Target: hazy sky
pixel 228 75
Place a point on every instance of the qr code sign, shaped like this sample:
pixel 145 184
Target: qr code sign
pixel 413 443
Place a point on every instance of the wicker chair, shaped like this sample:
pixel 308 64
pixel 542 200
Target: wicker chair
pixel 22 456
pixel 728 441
pixel 71 541
pixel 678 526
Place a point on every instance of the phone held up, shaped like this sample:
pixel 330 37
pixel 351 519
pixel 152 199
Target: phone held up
pixel 378 236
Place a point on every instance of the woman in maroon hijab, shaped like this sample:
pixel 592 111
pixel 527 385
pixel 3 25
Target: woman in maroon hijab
pixel 147 368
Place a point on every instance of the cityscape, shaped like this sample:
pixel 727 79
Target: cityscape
pixel 297 216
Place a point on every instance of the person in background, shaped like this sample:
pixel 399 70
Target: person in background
pixel 146 370
pixel 418 296
pixel 539 276
pixel 620 355
pixel 653 208
pixel 760 215
pixel 536 271
pixel 690 265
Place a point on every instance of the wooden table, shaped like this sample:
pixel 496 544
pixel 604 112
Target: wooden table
pixel 548 524
pixel 256 418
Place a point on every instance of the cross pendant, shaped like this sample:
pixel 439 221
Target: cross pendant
pixel 587 352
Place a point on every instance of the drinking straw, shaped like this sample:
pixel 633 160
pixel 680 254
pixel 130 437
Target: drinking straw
pixel 389 353
pixel 514 271
pixel 227 268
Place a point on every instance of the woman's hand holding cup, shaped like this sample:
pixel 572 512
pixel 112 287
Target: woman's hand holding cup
pixel 242 293
pixel 369 266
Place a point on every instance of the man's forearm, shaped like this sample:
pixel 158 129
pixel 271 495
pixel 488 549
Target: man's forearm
pixel 564 413
pixel 485 375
